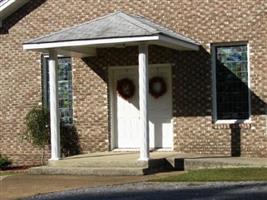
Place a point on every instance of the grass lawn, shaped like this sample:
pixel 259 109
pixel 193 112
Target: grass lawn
pixel 231 174
pixel 7 174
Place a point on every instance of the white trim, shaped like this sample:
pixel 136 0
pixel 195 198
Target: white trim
pixel 233 121
pixel 54 108
pixel 155 39
pixel 132 66
pixel 143 101
pixel 45 55
pixel 8 7
pixel 89 42
pixel 214 82
pixel 5 4
pixel 113 137
pixel 170 66
pixel 137 150
pixel 249 82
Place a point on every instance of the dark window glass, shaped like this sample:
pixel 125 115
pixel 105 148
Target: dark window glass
pixel 64 88
pixel 232 92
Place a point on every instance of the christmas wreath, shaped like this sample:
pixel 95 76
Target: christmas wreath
pixel 126 88
pixel 157 87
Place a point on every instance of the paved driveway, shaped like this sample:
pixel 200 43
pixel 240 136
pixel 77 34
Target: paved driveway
pixel 20 186
pixel 169 191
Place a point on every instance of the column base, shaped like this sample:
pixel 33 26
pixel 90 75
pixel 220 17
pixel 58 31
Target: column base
pixel 143 159
pixel 54 159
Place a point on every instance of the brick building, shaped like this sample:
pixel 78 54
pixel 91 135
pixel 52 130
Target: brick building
pixel 203 90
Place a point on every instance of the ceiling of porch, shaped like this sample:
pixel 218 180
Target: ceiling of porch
pixel 113 30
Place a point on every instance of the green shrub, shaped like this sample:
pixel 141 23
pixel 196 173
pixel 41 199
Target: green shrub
pixel 37 123
pixel 4 162
pixel 38 132
pixel 37 128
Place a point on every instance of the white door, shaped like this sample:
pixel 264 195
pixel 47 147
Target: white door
pixel 160 112
pixel 126 112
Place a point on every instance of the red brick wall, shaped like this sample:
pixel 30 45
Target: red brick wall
pixel 206 21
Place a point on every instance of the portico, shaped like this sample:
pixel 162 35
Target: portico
pixel 114 30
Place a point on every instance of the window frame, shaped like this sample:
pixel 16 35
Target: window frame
pixel 214 84
pixel 45 89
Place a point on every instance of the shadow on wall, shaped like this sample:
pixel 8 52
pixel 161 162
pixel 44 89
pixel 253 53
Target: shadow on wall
pixel 235 140
pixel 14 18
pixel 192 91
pixel 192 76
pixel 70 144
pixel 193 86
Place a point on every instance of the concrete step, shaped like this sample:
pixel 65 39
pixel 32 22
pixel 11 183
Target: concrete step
pixel 111 164
pixel 211 163
pixel 152 164
pixel 85 171
pixel 204 164
pixel 103 167
pixel 97 164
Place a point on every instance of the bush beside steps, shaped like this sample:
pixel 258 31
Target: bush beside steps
pixel 4 162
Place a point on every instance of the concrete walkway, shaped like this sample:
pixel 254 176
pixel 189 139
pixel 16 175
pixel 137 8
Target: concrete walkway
pixel 24 185
pixel 18 186
pixel 126 163
pixel 129 159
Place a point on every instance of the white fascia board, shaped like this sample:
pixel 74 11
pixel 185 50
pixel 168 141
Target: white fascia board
pixel 89 42
pixel 5 4
pixel 178 43
pixel 8 7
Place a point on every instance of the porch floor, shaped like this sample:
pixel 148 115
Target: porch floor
pixel 114 158
pixel 126 163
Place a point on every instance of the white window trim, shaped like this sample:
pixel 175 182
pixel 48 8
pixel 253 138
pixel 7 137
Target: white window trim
pixel 214 92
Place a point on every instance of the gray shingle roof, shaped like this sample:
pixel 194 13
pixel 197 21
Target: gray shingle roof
pixel 115 25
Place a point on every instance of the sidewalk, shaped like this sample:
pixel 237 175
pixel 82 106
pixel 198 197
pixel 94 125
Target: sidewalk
pixel 24 185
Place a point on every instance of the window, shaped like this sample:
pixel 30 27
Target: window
pixel 231 82
pixel 64 87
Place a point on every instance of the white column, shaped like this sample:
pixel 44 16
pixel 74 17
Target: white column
pixel 54 110
pixel 143 102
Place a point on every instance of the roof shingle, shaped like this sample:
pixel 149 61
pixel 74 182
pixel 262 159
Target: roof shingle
pixel 115 25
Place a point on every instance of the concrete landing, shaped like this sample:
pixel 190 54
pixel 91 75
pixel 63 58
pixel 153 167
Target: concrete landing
pixel 126 163
pixel 108 163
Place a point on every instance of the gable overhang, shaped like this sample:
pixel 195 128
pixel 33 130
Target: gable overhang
pixel 83 48
pixel 7 7
pixel 117 30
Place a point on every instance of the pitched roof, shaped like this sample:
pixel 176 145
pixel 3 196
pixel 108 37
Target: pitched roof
pixel 115 25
